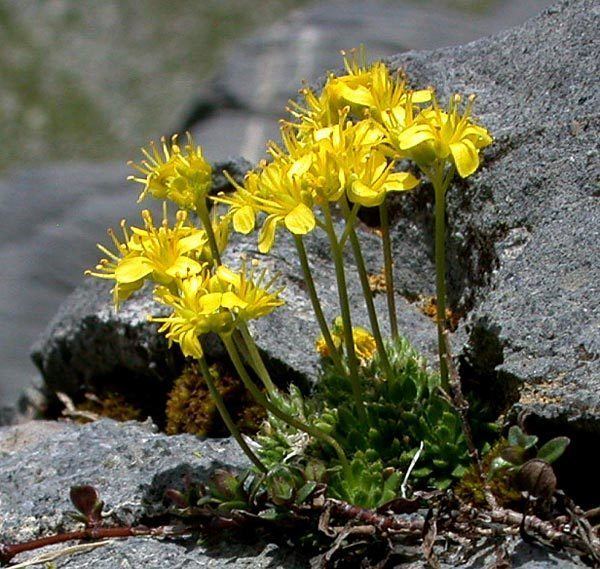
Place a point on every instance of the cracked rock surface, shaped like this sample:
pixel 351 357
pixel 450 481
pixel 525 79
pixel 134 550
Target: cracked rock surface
pixel 524 232
pixel 131 466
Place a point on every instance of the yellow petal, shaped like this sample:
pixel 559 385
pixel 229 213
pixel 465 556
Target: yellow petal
pixel 266 237
pixel 365 195
pixel 227 275
pixel 196 240
pixel 131 269
pixel 465 157
pixel 300 220
pixel 323 133
pixel 184 267
pixel 211 302
pixel 232 300
pixel 301 165
pixel 401 181
pixel 359 96
pixel 193 287
pixel 414 136
pixel 190 344
pixel 399 114
pixel 380 165
pixel 244 219
pixel 478 135
pixel 421 96
pixel 370 134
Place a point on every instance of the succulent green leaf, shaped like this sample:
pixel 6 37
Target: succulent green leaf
pixel 553 449
pixel 516 437
pixel 305 491
pixel 270 514
pixel 498 464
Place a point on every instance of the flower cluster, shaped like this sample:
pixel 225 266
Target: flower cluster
pixel 205 296
pixel 340 151
pixel 439 135
pixel 344 145
pixel 344 161
pixel 214 302
pixel 182 176
pixel 161 254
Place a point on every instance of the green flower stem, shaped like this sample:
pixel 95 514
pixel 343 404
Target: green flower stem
pixel 214 392
pixel 276 411
pixel 351 217
pixel 251 353
pixel 256 361
pixel 338 261
pixel 440 184
pixel 316 304
pixel 389 269
pixel 367 293
pixel 203 214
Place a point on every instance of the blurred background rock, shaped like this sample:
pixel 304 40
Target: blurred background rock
pixel 83 84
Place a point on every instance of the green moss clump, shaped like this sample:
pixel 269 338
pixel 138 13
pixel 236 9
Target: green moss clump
pixel 111 405
pixel 190 408
pixel 502 484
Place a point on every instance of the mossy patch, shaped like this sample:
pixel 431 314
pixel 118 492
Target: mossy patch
pixel 190 409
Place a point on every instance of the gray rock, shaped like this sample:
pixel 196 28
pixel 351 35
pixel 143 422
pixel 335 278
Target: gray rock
pixel 131 466
pixel 523 232
pixel 53 216
pixel 89 343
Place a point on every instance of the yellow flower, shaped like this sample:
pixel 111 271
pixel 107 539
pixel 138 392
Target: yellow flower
pixel 347 158
pixel 242 207
pixel 364 343
pixel 197 309
pixel 380 92
pixel 321 347
pixel 157 170
pixel 106 268
pixel 366 89
pixel 288 202
pixel 439 135
pixel 395 122
pixel 254 298
pixel 317 112
pixel 277 190
pixel 323 110
pixel 209 302
pixel 182 176
pixel 375 178
pixel 340 151
pixel 358 76
pixel 162 254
